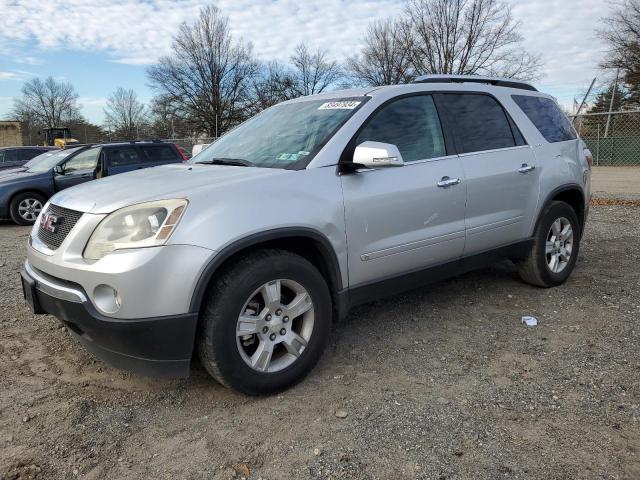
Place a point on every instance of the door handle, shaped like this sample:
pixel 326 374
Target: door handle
pixel 526 168
pixel 448 182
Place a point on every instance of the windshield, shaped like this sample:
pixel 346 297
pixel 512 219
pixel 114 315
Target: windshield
pixel 283 136
pixel 48 160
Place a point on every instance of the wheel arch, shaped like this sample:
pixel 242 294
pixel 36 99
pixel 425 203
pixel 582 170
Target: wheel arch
pixel 37 190
pixel 306 242
pixel 572 194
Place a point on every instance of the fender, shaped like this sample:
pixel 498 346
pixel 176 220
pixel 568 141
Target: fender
pixel 328 254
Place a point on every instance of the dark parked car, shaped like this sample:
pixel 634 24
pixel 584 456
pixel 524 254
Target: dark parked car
pixel 25 190
pixel 12 157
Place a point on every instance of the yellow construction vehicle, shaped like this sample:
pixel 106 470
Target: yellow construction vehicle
pixel 58 137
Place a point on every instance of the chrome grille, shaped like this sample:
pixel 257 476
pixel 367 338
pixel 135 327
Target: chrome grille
pixel 67 220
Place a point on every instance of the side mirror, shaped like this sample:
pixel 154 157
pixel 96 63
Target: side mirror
pixel 378 155
pixel 59 169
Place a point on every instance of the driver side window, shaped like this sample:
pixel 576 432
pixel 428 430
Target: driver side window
pixel 87 160
pixel 411 124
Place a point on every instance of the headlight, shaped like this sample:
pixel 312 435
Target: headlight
pixel 142 225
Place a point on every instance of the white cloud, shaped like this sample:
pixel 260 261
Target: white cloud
pixel 92 101
pixel 8 76
pixel 564 34
pixel 18 75
pixel 137 33
pixel 28 60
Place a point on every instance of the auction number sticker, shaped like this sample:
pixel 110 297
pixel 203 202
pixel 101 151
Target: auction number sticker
pixel 345 105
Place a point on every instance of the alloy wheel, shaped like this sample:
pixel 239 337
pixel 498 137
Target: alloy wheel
pixel 29 209
pixel 275 325
pixel 559 245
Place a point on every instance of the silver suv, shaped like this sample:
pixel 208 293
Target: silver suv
pixel 247 253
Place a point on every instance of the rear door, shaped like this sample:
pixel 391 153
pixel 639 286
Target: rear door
pixel 499 168
pixel 403 219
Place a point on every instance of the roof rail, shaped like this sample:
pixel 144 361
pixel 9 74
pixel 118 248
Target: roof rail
pixel 497 81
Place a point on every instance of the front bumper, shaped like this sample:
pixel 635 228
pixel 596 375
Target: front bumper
pixel 157 347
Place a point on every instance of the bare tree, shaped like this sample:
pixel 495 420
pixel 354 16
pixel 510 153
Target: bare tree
pixel 468 37
pixel 124 113
pixel 385 58
pixel 622 34
pixel 275 83
pixel 208 76
pixel 47 103
pixel 314 71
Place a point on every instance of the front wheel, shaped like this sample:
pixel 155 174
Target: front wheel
pixel 265 323
pixel 25 207
pixel 555 251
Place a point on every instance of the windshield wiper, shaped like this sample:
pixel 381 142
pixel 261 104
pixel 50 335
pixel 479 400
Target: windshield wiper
pixel 237 162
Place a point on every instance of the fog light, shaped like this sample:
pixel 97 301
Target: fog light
pixel 107 299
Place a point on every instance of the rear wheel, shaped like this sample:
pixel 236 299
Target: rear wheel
pixel 555 250
pixel 265 323
pixel 25 207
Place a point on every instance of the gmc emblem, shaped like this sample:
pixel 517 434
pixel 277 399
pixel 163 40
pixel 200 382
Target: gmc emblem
pixel 50 222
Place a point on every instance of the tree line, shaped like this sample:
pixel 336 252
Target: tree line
pixel 211 81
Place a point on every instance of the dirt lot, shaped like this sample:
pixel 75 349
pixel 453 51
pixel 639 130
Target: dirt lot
pixel 443 382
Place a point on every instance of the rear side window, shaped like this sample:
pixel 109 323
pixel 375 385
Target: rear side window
pixel 545 114
pixel 159 153
pixel 411 124
pixel 479 122
pixel 121 156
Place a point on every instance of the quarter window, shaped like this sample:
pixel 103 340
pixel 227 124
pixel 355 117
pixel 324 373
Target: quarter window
pixel 411 124
pixel 479 121
pixel 545 114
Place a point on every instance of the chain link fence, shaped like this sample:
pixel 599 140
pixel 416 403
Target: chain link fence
pixel 613 138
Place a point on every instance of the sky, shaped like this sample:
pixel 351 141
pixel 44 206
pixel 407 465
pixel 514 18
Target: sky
pixel 99 46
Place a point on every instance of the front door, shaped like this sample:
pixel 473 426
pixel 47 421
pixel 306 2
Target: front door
pixel 78 169
pixel 403 219
pixel 499 168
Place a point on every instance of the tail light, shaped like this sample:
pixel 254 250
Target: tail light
pixel 588 157
pixel 184 158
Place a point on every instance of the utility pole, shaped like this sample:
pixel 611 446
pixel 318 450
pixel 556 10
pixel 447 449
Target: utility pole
pixel 584 100
pixel 613 94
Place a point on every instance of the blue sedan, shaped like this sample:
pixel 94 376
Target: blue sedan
pixel 25 190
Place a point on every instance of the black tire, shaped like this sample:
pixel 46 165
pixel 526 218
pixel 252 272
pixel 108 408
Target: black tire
pixel 14 206
pixel 216 342
pixel 535 269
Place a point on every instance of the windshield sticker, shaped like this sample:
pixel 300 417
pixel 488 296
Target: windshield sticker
pixel 288 157
pixel 345 105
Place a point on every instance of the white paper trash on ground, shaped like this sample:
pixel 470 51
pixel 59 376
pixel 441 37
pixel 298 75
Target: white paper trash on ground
pixel 529 321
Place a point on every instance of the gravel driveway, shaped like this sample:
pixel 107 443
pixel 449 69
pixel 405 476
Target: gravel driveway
pixel 441 383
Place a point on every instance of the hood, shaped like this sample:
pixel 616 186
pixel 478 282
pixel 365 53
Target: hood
pixel 157 183
pixel 19 174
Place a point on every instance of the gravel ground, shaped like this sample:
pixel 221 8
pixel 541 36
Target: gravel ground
pixel 440 383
